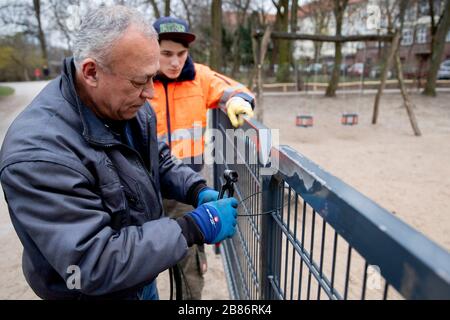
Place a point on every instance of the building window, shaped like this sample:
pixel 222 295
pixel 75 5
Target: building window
pixel 421 35
pixel 411 14
pixel 424 8
pixel 407 37
pixel 447 39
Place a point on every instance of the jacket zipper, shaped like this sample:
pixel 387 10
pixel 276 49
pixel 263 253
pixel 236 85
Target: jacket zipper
pixel 169 137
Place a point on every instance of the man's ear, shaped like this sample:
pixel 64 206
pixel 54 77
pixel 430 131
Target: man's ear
pixel 89 70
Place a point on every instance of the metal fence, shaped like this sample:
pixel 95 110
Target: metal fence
pixel 304 234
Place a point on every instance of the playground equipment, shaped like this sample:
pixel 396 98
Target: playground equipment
pixel 304 121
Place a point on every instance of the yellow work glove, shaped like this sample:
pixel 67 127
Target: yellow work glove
pixel 236 108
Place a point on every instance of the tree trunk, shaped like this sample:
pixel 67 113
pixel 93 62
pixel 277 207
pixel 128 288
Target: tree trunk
pixel 406 100
pixel 40 32
pixel 216 35
pixel 261 49
pixel 188 12
pixel 236 55
pixel 282 23
pixel 294 27
pixel 339 10
pixel 155 9
pixel 437 50
pixel 166 8
pixel 383 76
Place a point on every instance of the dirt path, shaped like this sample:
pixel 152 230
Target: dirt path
pixel 12 281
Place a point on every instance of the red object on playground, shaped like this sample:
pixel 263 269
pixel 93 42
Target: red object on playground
pixel 349 119
pixel 304 121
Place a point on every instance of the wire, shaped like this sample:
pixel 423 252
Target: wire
pixel 258 214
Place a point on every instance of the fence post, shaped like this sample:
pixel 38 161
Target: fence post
pixel 269 256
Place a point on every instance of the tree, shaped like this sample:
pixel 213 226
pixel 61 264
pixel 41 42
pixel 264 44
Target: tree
pixel 438 33
pixel 19 56
pixel 338 11
pixel 216 35
pixel 320 13
pixel 40 31
pixel 282 48
pixel 26 16
pixel 240 7
pixel 155 9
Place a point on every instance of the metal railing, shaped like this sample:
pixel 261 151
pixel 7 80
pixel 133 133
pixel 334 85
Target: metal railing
pixel 304 234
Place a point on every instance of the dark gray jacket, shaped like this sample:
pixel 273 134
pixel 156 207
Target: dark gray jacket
pixel 79 198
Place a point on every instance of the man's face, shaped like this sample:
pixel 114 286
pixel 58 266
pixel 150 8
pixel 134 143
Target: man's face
pixel 172 58
pixel 127 81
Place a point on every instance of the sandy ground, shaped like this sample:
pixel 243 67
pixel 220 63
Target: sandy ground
pixel 408 175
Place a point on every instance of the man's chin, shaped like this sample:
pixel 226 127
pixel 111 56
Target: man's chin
pixel 131 112
pixel 172 75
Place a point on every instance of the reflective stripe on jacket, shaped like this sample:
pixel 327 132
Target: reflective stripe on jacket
pixel 181 105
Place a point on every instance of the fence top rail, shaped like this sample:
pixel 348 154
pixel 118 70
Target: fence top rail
pixel 414 265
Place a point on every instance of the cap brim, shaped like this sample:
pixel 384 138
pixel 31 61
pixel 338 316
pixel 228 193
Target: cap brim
pixel 183 36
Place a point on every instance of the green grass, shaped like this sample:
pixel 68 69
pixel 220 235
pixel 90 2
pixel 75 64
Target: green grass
pixel 6 91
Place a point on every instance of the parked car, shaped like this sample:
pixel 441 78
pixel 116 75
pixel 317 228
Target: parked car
pixel 314 68
pixel 330 67
pixel 356 69
pixel 444 70
pixel 375 72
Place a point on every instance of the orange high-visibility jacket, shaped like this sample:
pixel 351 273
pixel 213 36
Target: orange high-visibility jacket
pixel 181 106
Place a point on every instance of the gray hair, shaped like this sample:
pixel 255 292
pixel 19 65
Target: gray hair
pixel 102 27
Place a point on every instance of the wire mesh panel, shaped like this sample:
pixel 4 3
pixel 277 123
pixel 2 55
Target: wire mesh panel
pixel 303 234
pixel 241 254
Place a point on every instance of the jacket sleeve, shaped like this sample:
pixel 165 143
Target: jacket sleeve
pixel 178 181
pixel 219 88
pixel 62 213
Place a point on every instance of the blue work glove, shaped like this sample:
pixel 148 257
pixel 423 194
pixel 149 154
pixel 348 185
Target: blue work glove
pixel 207 195
pixel 217 219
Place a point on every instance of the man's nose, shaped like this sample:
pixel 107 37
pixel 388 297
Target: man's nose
pixel 148 91
pixel 175 62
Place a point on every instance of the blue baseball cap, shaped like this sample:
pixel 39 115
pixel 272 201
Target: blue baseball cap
pixel 170 28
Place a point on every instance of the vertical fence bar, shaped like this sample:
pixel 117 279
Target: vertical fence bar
pixel 303 250
pixel 311 251
pixel 333 268
pixel 321 257
pixel 363 294
pixel 267 255
pixel 293 251
pixel 347 273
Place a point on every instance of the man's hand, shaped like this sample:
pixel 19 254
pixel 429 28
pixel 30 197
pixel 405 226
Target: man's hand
pixel 216 220
pixel 207 195
pixel 236 108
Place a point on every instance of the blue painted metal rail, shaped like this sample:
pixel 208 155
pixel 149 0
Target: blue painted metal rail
pixel 304 234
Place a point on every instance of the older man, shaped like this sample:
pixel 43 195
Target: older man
pixel 84 175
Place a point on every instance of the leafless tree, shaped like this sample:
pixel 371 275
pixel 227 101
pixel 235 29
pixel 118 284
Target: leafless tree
pixel 339 9
pixel 320 13
pixel 281 50
pixel 27 17
pixel 240 8
pixel 439 31
pixel 216 35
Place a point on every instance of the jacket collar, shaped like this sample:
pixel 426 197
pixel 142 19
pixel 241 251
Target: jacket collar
pixel 188 73
pixel 95 130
